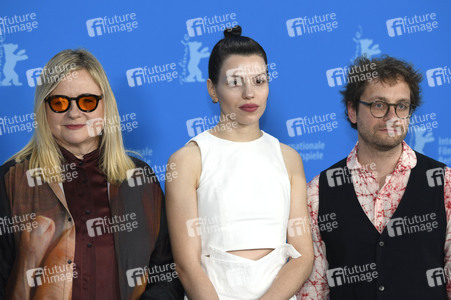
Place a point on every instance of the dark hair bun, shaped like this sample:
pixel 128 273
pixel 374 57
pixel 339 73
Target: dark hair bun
pixel 230 32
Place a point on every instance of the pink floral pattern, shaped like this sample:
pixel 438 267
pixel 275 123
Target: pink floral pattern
pixel 378 205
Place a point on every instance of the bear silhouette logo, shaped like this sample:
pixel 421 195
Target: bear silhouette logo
pixel 419 137
pixel 364 47
pixel 11 59
pixel 191 70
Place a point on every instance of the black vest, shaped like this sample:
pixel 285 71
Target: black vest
pixel 406 261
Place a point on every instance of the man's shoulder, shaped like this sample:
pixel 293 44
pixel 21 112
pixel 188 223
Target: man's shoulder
pixel 427 161
pixel 340 164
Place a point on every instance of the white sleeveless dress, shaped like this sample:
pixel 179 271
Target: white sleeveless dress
pixel 243 203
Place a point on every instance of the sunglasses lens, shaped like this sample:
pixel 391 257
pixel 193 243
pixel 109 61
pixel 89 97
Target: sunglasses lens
pixel 87 103
pixel 59 104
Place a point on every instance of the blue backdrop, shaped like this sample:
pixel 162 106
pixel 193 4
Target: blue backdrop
pixel 156 53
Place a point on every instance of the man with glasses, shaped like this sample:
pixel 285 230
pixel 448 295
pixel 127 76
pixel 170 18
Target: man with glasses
pixel 379 217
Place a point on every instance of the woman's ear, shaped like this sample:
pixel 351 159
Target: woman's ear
pixel 212 91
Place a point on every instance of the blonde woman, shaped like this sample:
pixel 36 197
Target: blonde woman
pixel 77 223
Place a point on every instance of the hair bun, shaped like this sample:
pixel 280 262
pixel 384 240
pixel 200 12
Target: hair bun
pixel 230 32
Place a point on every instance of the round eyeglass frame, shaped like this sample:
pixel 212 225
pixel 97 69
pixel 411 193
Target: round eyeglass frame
pixel 395 105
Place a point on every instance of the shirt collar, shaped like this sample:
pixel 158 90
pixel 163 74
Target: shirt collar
pixel 407 160
pixel 92 156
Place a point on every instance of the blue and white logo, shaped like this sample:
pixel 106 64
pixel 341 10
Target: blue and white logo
pixel 409 25
pixel 33 77
pixel 135 77
pixel 191 71
pixel 438 76
pixel 336 77
pixel 95 27
pixel 395 27
pixel 11 59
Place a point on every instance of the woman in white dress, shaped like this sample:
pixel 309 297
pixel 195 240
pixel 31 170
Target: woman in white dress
pixel 237 210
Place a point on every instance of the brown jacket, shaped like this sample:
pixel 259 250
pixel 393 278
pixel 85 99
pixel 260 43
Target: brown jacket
pixel 23 197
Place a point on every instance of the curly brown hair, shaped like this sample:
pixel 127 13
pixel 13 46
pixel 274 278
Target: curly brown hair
pixel 387 70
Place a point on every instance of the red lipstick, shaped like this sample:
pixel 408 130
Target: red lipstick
pixel 249 107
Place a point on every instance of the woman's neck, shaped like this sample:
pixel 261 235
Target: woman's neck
pixel 232 131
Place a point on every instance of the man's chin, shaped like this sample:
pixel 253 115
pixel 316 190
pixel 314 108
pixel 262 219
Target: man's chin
pixel 382 141
pixel 388 144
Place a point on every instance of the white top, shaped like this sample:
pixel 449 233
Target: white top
pixel 243 195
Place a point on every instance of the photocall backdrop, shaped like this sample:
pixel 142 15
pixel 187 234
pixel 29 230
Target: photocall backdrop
pixel 155 54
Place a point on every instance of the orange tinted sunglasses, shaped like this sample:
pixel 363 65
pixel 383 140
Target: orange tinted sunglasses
pixel 85 102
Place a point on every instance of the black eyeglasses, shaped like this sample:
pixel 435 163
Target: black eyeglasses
pixel 85 102
pixel 379 109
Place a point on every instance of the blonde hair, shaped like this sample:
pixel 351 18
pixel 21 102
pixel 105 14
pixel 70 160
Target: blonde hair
pixel 42 148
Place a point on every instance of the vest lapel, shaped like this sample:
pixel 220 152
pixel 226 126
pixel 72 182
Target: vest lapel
pixel 58 191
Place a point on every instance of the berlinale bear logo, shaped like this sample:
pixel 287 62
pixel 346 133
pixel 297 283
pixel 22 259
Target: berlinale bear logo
pixel 11 60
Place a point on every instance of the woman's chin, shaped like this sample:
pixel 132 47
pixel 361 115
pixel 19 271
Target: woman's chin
pixel 76 140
